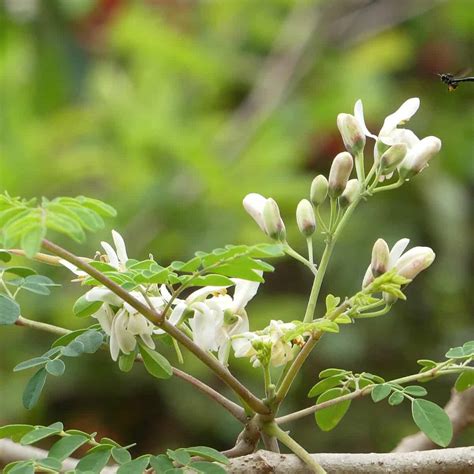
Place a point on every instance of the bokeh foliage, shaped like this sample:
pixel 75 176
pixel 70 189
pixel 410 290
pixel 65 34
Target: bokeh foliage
pixel 136 103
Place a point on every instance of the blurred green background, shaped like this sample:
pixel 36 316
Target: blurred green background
pixel 172 111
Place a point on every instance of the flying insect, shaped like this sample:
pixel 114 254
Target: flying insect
pixel 453 82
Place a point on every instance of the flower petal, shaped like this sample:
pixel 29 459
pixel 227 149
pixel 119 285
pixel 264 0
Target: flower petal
pixel 244 291
pixel 112 256
pixel 120 247
pixel 103 294
pixel 254 204
pixel 359 115
pixel 397 251
pixel 404 113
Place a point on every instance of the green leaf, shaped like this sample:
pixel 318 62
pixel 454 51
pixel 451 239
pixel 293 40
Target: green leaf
pixel 39 433
pixel 65 225
pixel 456 353
pixel 433 421
pixel 211 280
pixel 31 240
pixel 328 418
pixel 207 467
pixel 379 392
pixel 464 381
pixel 20 467
pixel 91 340
pixel 28 364
pixel 121 455
pixel 5 256
pixel 56 367
pixel 468 348
pixel 20 271
pixel 137 466
pixel 396 398
pixel 155 363
pixel 67 338
pixel 427 363
pixel 49 463
pixel 83 308
pixel 208 453
pixel 9 311
pixel 66 446
pixel 126 361
pixel 415 390
pixel 161 463
pixel 331 302
pixel 330 372
pixel 94 461
pixel 34 388
pixel 98 206
pixel 15 432
pixel 179 455
pixel 326 384
pixel 73 349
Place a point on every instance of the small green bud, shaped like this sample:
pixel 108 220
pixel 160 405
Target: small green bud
pixel 319 190
pixel 274 225
pixel 339 174
pixel 393 157
pixel 350 193
pixel 230 317
pixel 305 218
pixel 380 258
pixel 352 134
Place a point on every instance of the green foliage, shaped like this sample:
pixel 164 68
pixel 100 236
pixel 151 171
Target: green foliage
pixel 9 310
pixel 155 364
pixel 464 381
pixel 101 451
pixel 328 418
pixel 25 222
pixel 433 421
pixel 74 344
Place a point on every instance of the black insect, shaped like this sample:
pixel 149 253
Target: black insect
pixel 452 82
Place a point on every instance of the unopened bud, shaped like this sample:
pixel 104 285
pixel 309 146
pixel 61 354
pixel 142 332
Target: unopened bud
pixel 418 157
pixel 368 277
pixel 414 261
pixel 393 157
pixel 305 218
pixel 339 174
pixel 274 226
pixel 380 258
pixel 254 203
pixel 352 134
pixel 319 190
pixel 350 193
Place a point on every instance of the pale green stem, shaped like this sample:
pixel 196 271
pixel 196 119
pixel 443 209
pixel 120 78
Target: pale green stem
pixel 321 220
pixel 293 253
pixel 273 429
pixel 366 390
pixel 388 187
pixel 374 314
pixel 309 242
pixel 267 380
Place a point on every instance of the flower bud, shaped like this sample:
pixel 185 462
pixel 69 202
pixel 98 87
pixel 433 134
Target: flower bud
pixel 254 203
pixel 350 193
pixel 380 258
pixel 339 174
pixel 352 134
pixel 319 190
pixel 414 261
pixel 305 218
pixel 393 157
pixel 274 226
pixel 418 157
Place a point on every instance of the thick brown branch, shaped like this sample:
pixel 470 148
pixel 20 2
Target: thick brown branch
pixel 445 461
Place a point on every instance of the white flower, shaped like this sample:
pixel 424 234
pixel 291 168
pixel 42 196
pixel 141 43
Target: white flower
pixel 218 318
pixel 250 344
pixel 127 323
pixel 419 152
pixel 408 264
pixel 266 214
pixel 116 258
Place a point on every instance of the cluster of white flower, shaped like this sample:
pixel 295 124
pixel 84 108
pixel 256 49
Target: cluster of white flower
pixel 218 321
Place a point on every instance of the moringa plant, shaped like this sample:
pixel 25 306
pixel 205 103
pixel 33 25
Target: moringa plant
pixel 135 307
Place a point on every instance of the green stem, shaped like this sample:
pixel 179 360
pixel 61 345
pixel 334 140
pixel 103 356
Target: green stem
pixel 309 242
pixel 273 429
pixel 293 253
pixel 388 187
pixel 222 372
pixel 374 314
